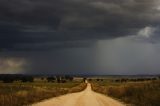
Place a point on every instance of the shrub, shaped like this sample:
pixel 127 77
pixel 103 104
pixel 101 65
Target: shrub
pixel 51 79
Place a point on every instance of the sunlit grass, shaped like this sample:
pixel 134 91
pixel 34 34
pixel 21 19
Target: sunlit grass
pixel 18 93
pixel 146 93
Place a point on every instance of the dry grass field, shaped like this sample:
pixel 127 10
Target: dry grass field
pixel 24 93
pixel 131 91
pixel 136 92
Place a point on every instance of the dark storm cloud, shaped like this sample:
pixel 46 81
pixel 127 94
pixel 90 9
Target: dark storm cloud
pixel 44 23
pixel 59 61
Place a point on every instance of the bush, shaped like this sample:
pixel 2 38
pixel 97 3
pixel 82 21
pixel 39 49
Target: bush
pixel 9 78
pixel 51 79
pixel 27 79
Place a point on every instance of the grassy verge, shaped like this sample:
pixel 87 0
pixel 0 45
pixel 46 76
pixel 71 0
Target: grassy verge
pixel 137 93
pixel 18 94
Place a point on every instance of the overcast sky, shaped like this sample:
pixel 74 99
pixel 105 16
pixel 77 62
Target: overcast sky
pixel 80 36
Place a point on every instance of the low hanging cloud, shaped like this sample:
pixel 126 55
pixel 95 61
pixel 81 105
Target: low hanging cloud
pixel 147 32
pixel 11 65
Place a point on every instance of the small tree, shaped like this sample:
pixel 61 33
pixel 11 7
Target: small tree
pixel 98 79
pixel 69 78
pixel 89 79
pixel 42 78
pixel 51 79
pixel 63 81
pixel 27 79
pixel 58 79
pixel 8 80
pixel 84 79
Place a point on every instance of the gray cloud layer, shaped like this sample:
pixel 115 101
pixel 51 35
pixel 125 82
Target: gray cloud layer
pixel 65 36
pixel 37 22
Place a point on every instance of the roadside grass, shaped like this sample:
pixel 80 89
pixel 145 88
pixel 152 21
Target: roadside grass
pixel 19 94
pixel 146 93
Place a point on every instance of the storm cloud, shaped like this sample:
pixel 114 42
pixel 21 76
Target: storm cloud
pixel 58 29
pixel 39 22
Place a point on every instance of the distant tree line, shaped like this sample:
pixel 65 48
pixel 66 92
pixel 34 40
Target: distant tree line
pixel 9 78
pixel 60 79
pixel 97 79
pixel 121 80
pixel 135 79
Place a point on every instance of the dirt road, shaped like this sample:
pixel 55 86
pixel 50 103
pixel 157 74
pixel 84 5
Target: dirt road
pixel 84 98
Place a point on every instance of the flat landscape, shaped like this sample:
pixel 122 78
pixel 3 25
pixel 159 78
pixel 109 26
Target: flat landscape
pixel 132 90
pixel 19 93
pixel 84 98
pixel 79 52
pixel 79 91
